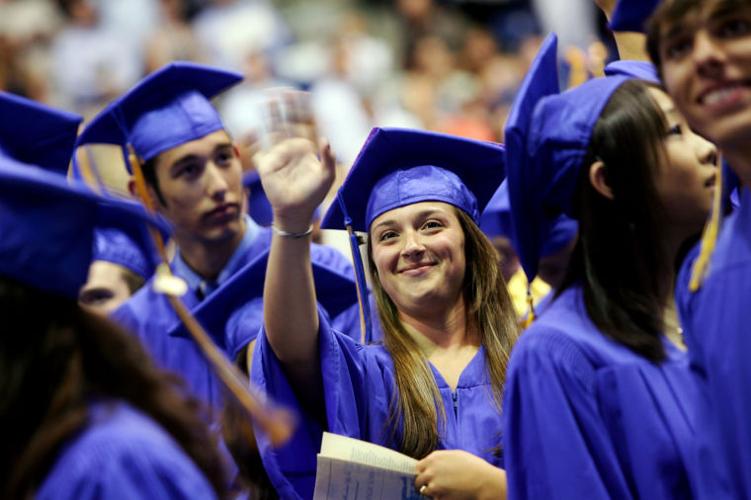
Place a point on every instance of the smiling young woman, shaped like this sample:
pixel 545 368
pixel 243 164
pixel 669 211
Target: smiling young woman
pixel 433 388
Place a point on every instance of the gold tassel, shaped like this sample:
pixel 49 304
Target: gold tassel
pixel 530 308
pixel 143 193
pixel 708 238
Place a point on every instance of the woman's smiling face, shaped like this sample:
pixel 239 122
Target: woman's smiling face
pixel 418 251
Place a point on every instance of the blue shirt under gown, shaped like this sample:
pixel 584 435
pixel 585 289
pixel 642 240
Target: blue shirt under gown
pixel 716 322
pixel 585 417
pixel 123 454
pixel 358 386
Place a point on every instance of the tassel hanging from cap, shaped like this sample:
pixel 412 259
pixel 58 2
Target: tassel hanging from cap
pixel 366 335
pixel 708 238
pixel 529 319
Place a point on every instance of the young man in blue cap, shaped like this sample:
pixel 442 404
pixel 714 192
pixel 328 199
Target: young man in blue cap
pixel 703 52
pixel 194 179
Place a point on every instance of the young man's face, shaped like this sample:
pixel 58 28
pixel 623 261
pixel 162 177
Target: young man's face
pixel 706 67
pixel 201 185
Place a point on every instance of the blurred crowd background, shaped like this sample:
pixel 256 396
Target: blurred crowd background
pixel 450 66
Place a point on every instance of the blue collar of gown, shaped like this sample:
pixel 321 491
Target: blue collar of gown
pixel 194 280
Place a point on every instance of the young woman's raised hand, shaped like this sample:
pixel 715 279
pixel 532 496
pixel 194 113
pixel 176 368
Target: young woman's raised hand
pixel 295 180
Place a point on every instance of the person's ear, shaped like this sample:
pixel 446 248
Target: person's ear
pixel 599 179
pixel 154 199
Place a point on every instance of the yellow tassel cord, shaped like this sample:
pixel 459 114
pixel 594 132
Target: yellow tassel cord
pixel 140 181
pixel 278 424
pixel 360 302
pixel 530 309
pixel 708 238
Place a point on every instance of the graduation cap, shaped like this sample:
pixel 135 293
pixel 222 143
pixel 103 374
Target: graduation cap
pixel 398 167
pixel 129 245
pixel 496 218
pixel 167 108
pixel 547 138
pixel 641 70
pixel 541 80
pixel 632 15
pixel 496 221
pixel 41 136
pixel 46 226
pixel 231 314
pixel 33 133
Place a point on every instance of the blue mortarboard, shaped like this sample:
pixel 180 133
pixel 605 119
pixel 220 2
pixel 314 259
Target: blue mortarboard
pixel 541 80
pixel 632 15
pixel 46 226
pixel 33 133
pixel 496 221
pixel 336 292
pixel 167 108
pixel 641 70
pixel 558 140
pixel 129 245
pixel 398 167
pixel 496 218
pixel 547 137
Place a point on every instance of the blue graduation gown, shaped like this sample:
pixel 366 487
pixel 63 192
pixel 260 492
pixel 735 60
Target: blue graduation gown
pixel 358 386
pixel 715 322
pixel 586 418
pixel 150 316
pixel 245 323
pixel 122 453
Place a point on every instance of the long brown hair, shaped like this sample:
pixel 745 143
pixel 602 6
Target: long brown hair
pixel 54 358
pixel 621 260
pixel 489 310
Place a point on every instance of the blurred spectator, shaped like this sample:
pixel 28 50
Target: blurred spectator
pixel 423 18
pixel 26 28
pixel 227 29
pixel 359 64
pixel 89 64
pixel 241 107
pixel 575 21
pixel 132 21
pixel 173 40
